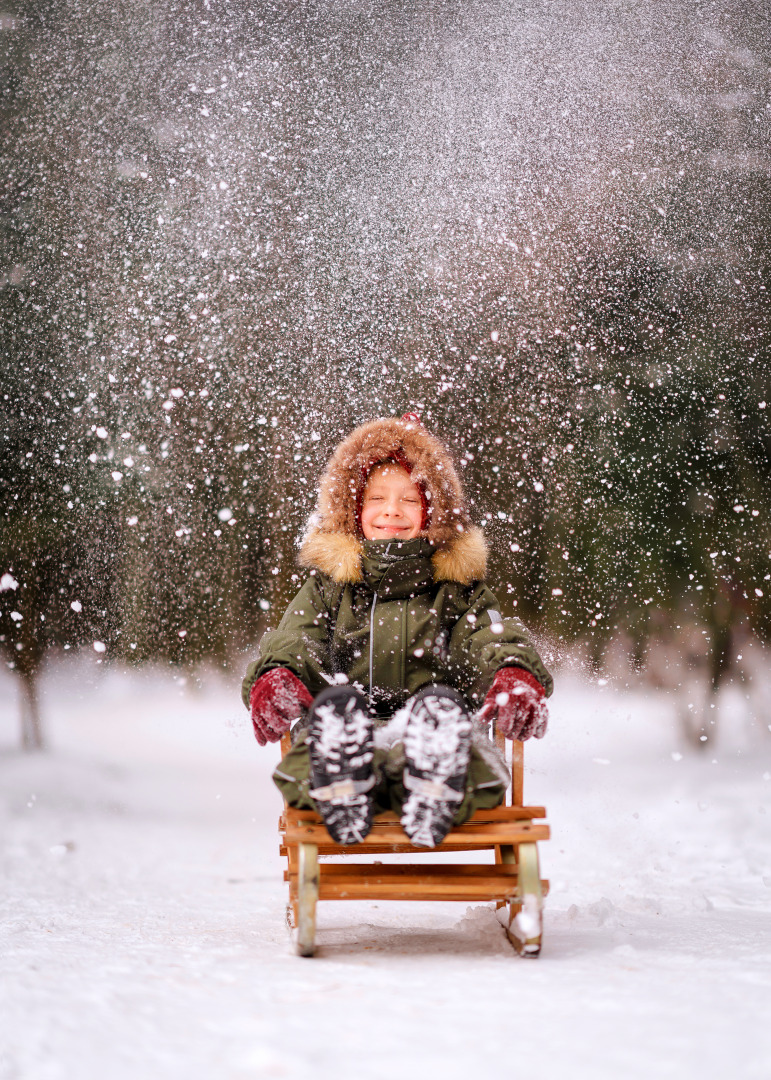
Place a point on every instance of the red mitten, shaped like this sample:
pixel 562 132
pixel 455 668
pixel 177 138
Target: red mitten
pixel 516 702
pixel 277 698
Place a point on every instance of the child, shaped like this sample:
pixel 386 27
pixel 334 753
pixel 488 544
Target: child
pixel 390 645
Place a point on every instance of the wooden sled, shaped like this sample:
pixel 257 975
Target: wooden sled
pixel 513 881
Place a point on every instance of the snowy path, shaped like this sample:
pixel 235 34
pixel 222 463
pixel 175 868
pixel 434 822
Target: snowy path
pixel 143 909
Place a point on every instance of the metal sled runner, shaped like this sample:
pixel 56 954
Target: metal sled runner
pixel 513 881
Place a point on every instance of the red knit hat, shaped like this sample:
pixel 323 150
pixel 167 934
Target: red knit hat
pixel 398 458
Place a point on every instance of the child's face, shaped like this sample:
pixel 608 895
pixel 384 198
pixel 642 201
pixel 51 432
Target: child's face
pixel 391 508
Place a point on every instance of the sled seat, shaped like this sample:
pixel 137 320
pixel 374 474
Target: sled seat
pixel 486 829
pixel 512 881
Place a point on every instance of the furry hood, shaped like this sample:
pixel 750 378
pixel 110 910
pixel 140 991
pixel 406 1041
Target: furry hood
pixel 333 543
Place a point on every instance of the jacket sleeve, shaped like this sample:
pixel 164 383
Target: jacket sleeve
pixel 300 642
pixel 482 641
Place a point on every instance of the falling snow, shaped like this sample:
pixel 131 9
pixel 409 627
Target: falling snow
pixel 232 230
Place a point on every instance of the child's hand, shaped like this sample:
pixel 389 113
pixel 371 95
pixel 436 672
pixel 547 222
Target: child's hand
pixel 516 702
pixel 277 698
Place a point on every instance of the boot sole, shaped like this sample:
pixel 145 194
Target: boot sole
pixel 340 737
pixel 437 746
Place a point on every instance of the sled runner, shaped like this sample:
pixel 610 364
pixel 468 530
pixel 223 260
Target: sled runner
pixel 513 881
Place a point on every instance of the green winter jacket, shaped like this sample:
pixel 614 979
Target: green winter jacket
pixel 396 630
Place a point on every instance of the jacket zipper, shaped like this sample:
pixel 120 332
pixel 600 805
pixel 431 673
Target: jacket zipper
pixel 372 645
pixel 372 638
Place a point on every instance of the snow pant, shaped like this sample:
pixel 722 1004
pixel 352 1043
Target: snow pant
pixel 486 779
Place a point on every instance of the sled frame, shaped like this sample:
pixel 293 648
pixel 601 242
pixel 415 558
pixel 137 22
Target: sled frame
pixel 512 831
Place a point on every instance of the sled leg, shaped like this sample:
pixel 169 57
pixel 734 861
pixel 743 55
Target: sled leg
pixel 307 897
pixel 291 907
pixel 499 859
pixel 525 916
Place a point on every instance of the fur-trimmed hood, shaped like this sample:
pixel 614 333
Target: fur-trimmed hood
pixel 334 544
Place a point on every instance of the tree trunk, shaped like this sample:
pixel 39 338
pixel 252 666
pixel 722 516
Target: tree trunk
pixel 31 728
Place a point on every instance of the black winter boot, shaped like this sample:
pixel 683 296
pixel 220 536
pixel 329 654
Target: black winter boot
pixel 437 745
pixel 341 747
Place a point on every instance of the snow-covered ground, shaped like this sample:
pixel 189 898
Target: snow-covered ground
pixel 143 907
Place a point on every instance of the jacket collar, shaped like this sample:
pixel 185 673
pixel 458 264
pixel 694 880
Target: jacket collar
pixel 463 559
pixel 394 569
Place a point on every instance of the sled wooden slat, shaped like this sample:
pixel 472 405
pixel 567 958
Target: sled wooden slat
pixel 417 881
pixel 419 887
pixel 377 872
pixel 517 832
pixel 498 813
pixel 393 891
pixel 405 848
pixel 456 889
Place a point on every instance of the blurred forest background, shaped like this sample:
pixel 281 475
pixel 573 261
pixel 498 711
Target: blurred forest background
pixel 229 231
